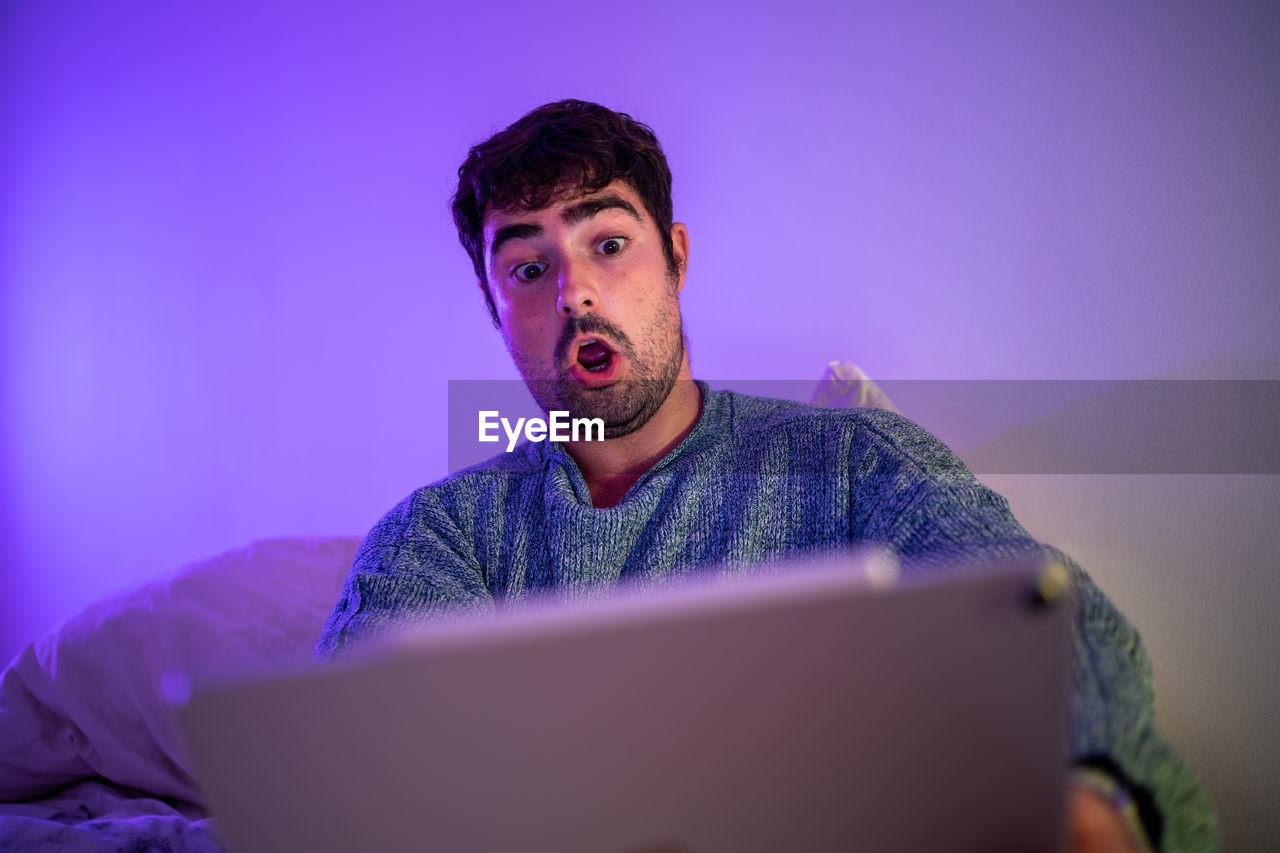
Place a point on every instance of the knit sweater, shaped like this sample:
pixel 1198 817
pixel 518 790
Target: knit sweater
pixel 757 479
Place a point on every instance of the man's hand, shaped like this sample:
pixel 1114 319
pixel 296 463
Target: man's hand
pixel 1094 825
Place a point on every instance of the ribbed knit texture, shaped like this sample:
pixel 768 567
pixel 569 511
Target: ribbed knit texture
pixel 756 479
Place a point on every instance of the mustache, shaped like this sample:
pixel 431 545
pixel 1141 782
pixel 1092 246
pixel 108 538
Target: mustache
pixel 589 324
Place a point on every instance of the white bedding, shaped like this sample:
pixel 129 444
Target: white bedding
pixel 89 749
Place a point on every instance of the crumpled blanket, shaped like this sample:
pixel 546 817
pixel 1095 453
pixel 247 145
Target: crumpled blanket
pixel 91 757
pixel 94 816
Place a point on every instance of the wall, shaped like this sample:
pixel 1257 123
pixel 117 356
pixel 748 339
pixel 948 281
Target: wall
pixel 232 295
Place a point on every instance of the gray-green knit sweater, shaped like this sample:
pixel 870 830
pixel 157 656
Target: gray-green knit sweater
pixel 755 479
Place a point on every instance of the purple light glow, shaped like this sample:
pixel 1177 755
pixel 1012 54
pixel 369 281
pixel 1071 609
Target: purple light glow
pixel 233 297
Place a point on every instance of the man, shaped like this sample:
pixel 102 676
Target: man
pixel 567 217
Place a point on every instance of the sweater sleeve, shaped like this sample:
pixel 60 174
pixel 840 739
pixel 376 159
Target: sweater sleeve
pixel 939 517
pixel 414 565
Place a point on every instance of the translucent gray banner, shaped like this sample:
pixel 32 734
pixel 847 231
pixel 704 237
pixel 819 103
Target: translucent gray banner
pixel 996 426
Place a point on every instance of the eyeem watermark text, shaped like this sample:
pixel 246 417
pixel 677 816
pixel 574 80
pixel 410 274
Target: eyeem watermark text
pixel 558 427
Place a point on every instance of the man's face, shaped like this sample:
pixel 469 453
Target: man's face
pixel 588 308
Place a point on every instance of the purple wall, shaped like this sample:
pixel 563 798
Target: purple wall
pixel 232 295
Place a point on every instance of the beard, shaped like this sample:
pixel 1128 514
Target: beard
pixel 624 405
pixel 627 404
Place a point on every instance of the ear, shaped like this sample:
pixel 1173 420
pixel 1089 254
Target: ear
pixel 680 245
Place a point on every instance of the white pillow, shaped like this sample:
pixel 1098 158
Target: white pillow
pixel 845 385
pixel 87 699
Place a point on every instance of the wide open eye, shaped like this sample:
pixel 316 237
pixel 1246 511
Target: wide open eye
pixel 611 245
pixel 530 271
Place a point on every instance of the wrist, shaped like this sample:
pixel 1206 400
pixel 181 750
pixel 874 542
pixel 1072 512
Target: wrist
pixel 1119 799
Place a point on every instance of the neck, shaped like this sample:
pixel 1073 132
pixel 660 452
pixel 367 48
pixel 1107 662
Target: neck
pixel 611 467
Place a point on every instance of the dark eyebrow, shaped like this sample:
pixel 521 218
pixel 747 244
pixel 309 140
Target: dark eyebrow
pixel 572 215
pixel 518 231
pixel 586 209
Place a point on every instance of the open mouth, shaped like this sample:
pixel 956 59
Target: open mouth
pixel 595 364
pixel 594 356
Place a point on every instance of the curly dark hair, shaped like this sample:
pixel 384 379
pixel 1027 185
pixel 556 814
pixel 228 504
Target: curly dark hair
pixel 567 147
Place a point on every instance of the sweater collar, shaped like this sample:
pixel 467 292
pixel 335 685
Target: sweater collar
pixel 706 430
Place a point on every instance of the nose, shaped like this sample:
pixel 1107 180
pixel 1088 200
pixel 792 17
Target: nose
pixel 579 293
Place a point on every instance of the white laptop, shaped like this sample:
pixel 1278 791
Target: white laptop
pixel 826 707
